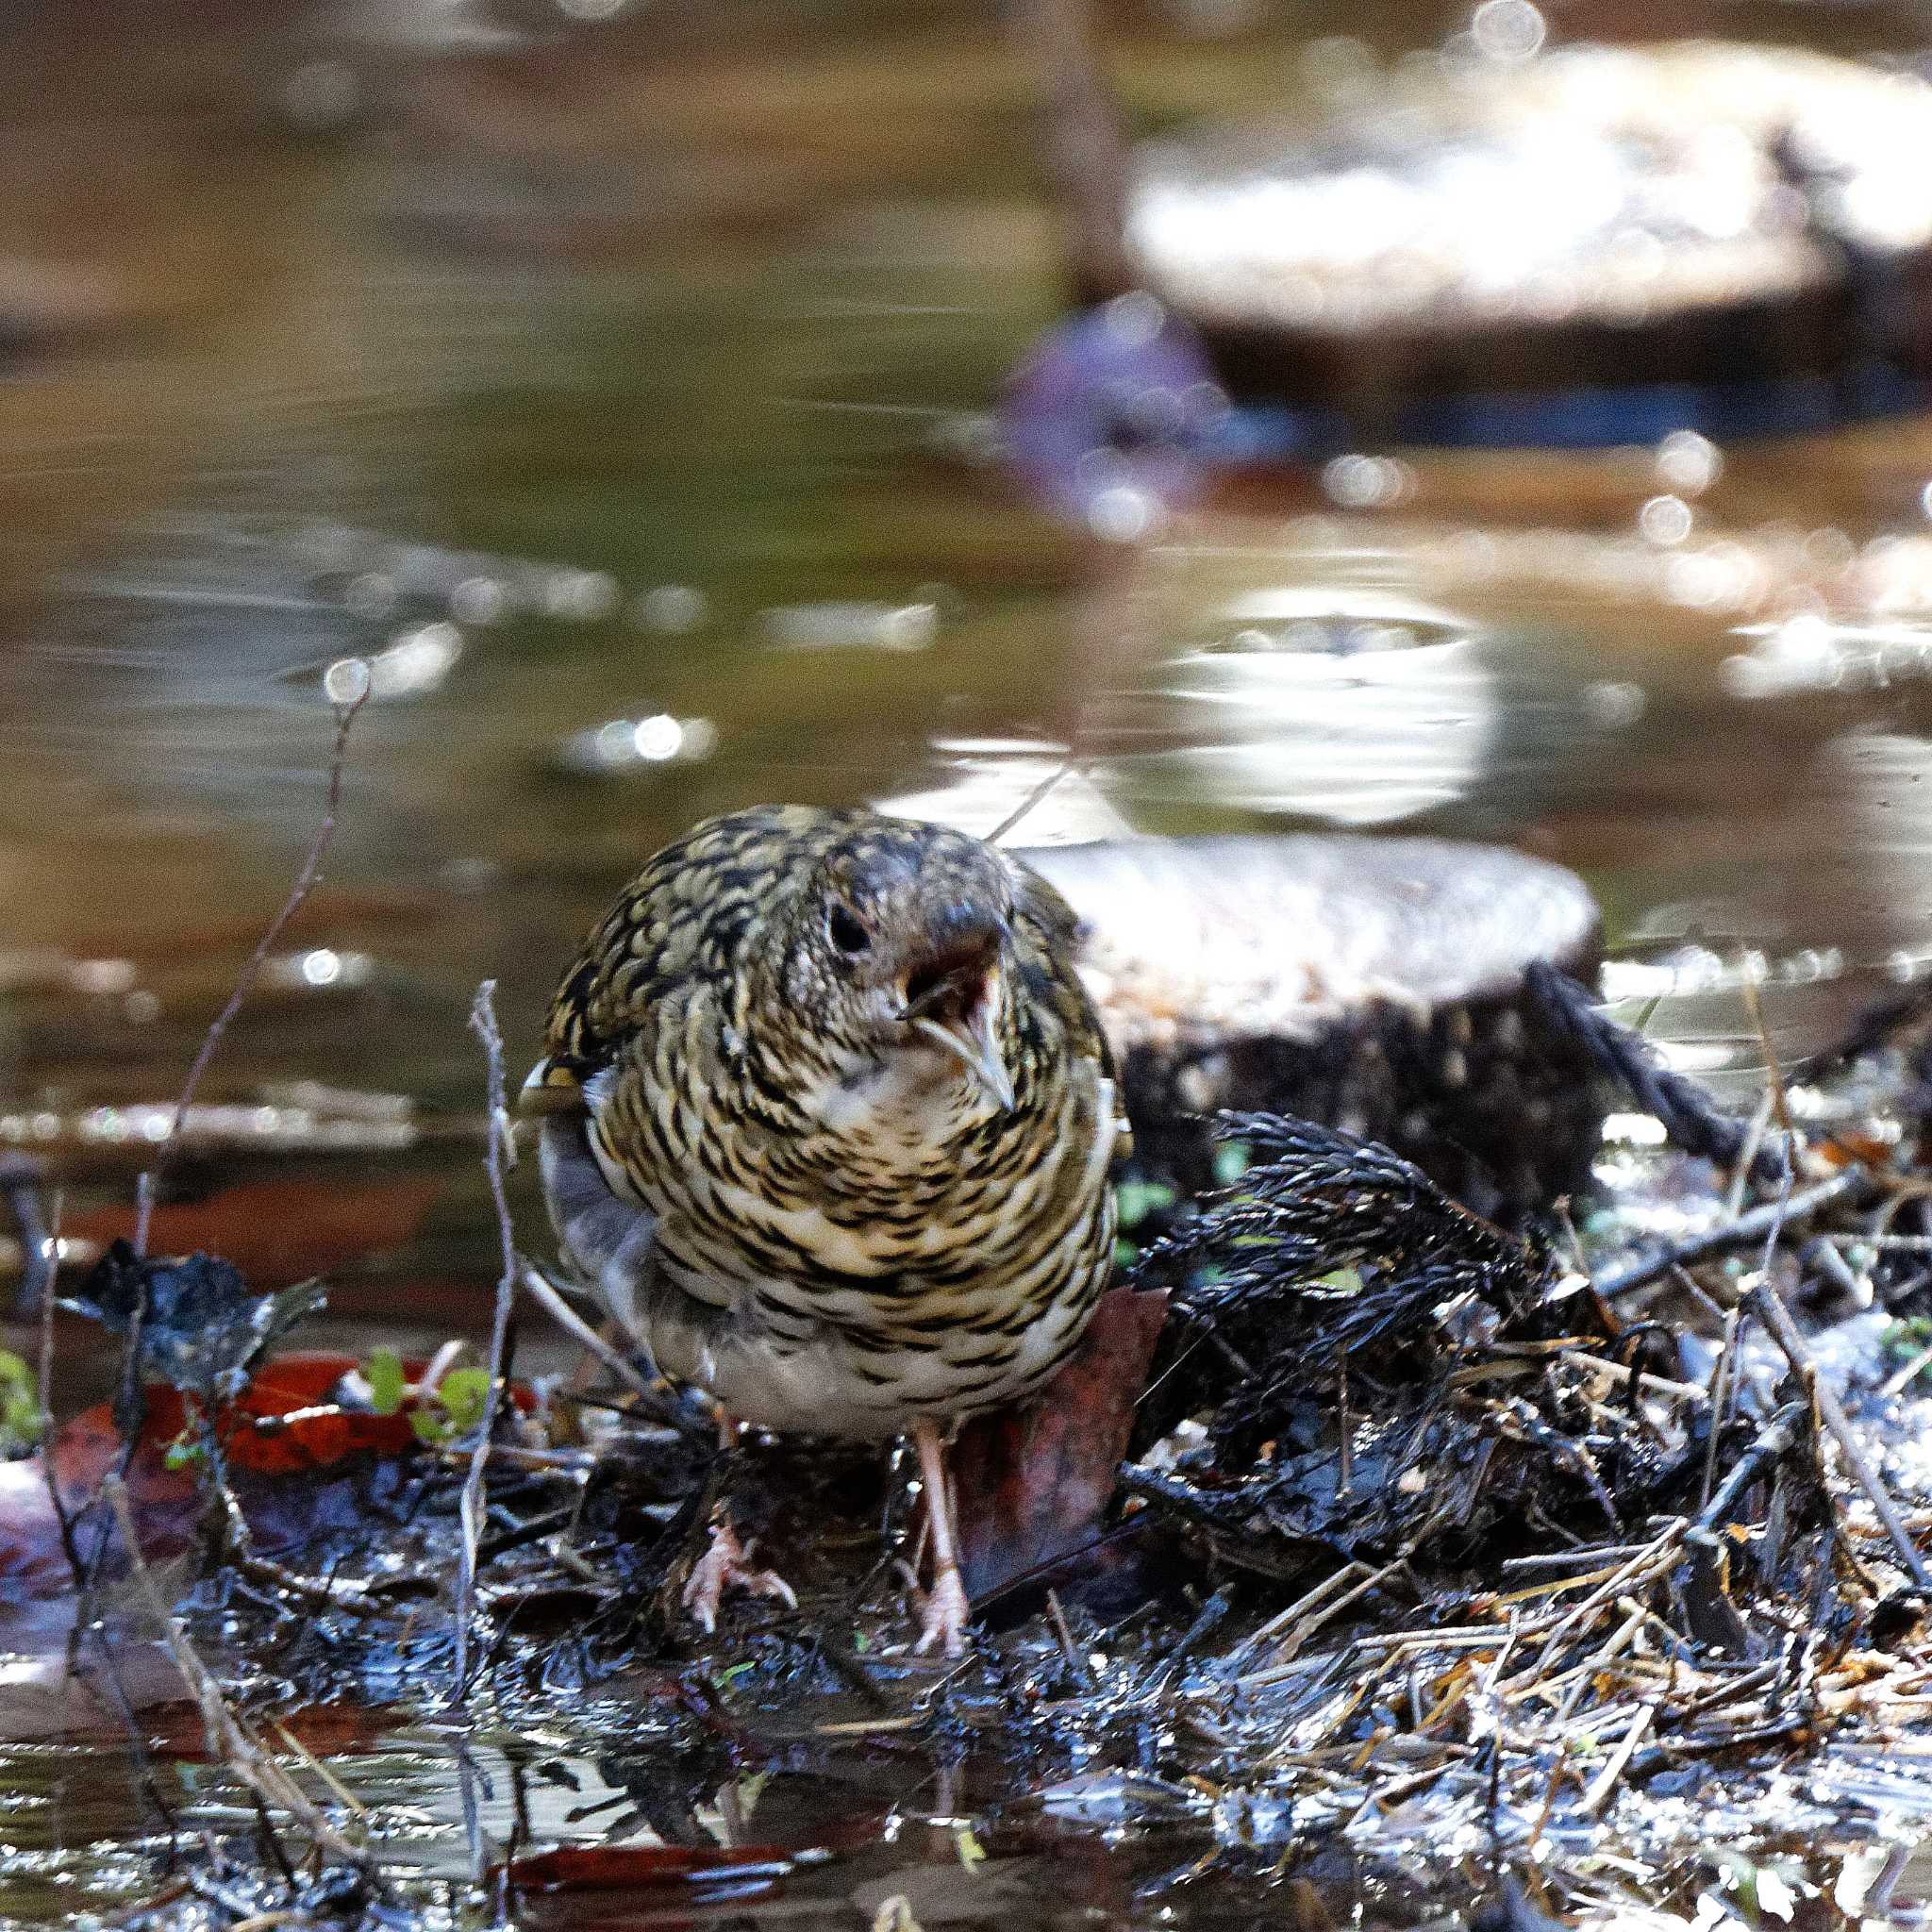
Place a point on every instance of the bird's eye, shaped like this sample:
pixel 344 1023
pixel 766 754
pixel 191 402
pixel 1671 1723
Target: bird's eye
pixel 846 933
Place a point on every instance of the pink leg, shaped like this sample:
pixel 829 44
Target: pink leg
pixel 945 1620
pixel 726 1564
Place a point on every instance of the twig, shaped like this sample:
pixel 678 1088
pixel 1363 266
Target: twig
pixel 1903 1378
pixel 483 1024
pixel 251 969
pixel 1739 1233
pixel 1766 1303
pixel 1605 1780
pixel 1774 1073
pixel 1770 1446
pixel 1723 1369
pixel 345 1796
pixel 1077 1663
pixel 546 1298
pixel 1618 1372
pixel 1025 807
pixel 62 1515
pixel 226 1737
pixel 1743 1171
pixel 39 1258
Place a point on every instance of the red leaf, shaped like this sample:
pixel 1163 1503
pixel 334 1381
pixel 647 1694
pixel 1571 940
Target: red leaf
pixel 81 1455
pixel 1033 1482
pixel 284 1424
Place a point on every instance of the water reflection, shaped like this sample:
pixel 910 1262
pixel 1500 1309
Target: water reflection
pixel 1348 708
pixel 585 398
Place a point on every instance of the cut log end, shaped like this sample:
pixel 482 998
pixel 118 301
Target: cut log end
pixel 1377 985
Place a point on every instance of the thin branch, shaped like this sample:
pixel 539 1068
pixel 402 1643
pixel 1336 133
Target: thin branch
pixel 483 1024
pixel 39 1261
pixel 546 1298
pixel 251 971
pixel 62 1515
pixel 1739 1233
pixel 1032 797
pixel 1768 1305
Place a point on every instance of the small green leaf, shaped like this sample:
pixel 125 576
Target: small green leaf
pixel 465 1394
pixel 383 1372
pixel 432 1426
pixel 971 1853
pixel 21 1424
pixel 1340 1281
pixel 1136 1200
pixel 182 1452
pixel 1232 1159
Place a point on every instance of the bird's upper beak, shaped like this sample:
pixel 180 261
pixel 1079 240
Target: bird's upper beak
pixel 954 1001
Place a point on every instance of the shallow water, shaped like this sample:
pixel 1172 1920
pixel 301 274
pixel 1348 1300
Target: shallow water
pixel 617 389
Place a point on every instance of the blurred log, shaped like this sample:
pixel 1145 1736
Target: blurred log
pixel 1585 248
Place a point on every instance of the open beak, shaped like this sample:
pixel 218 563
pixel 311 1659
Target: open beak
pixel 961 1015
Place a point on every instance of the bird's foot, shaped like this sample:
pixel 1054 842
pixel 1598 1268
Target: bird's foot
pixel 942 1617
pixel 727 1565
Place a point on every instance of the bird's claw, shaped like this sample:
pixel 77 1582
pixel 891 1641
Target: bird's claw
pixel 727 1565
pixel 942 1616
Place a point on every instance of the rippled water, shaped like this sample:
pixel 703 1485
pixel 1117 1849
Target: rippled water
pixel 620 391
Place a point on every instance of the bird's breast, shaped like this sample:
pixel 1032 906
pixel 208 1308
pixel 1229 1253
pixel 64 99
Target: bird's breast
pixel 884 1222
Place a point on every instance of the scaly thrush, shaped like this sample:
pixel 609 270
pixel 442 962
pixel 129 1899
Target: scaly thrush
pixel 827 1120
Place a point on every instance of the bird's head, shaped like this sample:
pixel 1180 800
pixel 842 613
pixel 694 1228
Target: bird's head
pixel 899 940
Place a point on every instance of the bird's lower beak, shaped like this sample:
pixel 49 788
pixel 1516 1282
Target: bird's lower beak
pixel 973 1039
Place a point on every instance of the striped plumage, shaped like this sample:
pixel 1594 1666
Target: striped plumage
pixel 829 1120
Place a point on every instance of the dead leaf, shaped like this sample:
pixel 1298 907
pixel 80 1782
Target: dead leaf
pixel 1033 1482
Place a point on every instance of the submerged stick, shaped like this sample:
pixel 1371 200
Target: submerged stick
pixel 1768 1305
pixel 250 968
pixel 483 1024
pixel 227 1738
pixel 1643 1269
pixel 62 1515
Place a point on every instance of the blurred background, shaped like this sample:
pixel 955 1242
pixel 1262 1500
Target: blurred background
pixel 1491 423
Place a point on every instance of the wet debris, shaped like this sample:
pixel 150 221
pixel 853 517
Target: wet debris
pixel 191 1322
pixel 1432 1539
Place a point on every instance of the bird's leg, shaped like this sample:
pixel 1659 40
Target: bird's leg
pixel 944 1619
pixel 726 1562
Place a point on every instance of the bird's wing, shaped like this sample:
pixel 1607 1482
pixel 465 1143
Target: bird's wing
pixel 608 1238
pixel 583 1032
pixel 682 920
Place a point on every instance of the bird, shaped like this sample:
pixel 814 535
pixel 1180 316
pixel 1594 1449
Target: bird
pixel 829 1121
